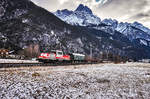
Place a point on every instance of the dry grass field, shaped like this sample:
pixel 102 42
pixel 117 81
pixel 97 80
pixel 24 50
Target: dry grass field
pixel 100 81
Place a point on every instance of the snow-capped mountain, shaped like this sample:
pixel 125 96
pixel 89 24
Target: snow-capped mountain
pixel 133 31
pixel 82 16
pixel 23 23
pixel 141 27
pixel 82 8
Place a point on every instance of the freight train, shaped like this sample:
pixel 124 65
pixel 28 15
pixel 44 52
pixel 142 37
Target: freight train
pixel 59 56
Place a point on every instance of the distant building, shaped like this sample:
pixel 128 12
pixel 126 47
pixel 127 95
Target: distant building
pixel 4 53
pixel 145 60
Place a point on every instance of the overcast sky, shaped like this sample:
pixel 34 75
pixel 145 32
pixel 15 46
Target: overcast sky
pixel 122 10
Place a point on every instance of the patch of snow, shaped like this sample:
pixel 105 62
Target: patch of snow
pixel 100 81
pixel 25 21
pixel 52 32
pixel 2 11
pixel 144 42
pixel 19 12
pixel 111 38
pixel 79 41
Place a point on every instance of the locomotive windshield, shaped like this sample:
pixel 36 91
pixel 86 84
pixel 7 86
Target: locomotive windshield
pixel 53 51
pixel 49 51
pixel 60 53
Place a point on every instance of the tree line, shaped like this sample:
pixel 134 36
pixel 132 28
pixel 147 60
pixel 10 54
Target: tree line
pixel 33 51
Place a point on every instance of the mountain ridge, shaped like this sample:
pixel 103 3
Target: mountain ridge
pixel 82 16
pixel 131 30
pixel 83 8
pixel 23 23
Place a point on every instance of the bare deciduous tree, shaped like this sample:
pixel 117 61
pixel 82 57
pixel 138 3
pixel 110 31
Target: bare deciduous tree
pixel 32 51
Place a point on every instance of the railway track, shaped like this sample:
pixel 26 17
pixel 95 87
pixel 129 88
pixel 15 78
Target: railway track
pixel 8 65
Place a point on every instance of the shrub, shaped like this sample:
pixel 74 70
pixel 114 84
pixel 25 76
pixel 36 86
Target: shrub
pixel 35 74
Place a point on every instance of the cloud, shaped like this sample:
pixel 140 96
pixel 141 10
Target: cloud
pixel 140 15
pixel 126 10
pixel 119 8
pixel 50 5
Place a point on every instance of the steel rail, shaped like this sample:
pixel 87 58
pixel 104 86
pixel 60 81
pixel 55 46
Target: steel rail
pixel 8 65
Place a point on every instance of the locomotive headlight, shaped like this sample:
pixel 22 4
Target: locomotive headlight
pixel 42 54
pixel 45 55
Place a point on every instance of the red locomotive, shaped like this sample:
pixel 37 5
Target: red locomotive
pixel 53 56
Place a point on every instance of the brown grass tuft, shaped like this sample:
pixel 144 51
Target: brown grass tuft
pixel 35 74
pixel 103 81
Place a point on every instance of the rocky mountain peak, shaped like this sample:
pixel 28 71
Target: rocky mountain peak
pixel 65 12
pixel 137 23
pixel 22 24
pixel 110 21
pixel 82 16
pixel 83 8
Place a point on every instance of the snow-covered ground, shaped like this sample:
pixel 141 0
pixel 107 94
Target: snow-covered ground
pixel 100 81
pixel 17 61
